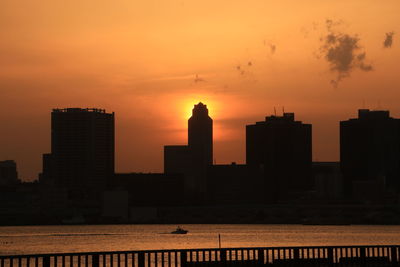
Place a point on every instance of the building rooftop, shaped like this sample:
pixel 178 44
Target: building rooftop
pixel 200 109
pixel 373 114
pixel 95 110
pixel 7 163
pixel 287 116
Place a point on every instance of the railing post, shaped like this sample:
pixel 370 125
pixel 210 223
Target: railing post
pixel 260 257
pixel 46 261
pixel 222 255
pixel 393 252
pixel 330 256
pixel 296 254
pixel 96 260
pixel 362 255
pixel 141 259
pixel 183 258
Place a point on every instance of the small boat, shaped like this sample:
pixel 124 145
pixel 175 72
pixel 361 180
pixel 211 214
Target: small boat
pixel 179 231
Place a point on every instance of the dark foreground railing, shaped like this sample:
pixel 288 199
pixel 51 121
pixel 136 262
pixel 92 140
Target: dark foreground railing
pixel 278 256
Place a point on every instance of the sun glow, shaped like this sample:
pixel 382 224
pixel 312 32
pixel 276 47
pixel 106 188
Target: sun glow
pixel 186 106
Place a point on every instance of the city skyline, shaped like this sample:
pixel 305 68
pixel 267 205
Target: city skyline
pixel 276 114
pixel 160 169
pixel 151 62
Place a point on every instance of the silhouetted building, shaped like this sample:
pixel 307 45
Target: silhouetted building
pixel 151 189
pixel 20 205
pixel 370 153
pixel 193 160
pixel 47 170
pixel 8 173
pixel 282 147
pixel 177 159
pixel 234 184
pixel 328 180
pixel 200 135
pixel 200 142
pixel 82 154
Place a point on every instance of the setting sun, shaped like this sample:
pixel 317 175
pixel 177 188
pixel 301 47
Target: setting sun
pixel 187 103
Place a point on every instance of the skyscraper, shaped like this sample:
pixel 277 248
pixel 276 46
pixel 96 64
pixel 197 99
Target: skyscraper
pixel 283 148
pixel 200 134
pixel 370 152
pixel 192 160
pixel 8 173
pixel 82 151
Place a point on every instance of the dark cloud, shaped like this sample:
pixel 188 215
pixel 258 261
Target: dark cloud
pixel 343 52
pixel 388 40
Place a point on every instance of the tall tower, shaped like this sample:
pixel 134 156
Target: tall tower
pixel 193 160
pixel 82 150
pixel 283 148
pixel 370 153
pixel 200 135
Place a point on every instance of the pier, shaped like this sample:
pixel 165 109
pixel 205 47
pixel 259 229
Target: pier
pixel 386 255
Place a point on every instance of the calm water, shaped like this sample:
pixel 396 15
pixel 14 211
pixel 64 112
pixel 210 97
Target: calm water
pixel 51 239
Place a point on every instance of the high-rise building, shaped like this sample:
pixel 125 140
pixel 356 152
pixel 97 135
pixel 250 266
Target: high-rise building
pixel 8 173
pixel 193 160
pixel 370 153
pixel 82 151
pixel 200 134
pixel 283 148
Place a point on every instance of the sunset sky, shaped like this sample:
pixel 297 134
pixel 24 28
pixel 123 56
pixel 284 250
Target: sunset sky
pixel 151 61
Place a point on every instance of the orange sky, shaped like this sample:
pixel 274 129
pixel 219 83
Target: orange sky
pixel 140 59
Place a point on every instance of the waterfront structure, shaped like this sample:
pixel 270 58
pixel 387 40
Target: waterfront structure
pixel 370 154
pixel 234 184
pixel 328 180
pixel 81 161
pixel 8 173
pixel 150 189
pixel 367 255
pixel 282 147
pixel 177 159
pixel 193 160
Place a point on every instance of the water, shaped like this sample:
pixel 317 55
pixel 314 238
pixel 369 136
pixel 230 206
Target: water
pixel 57 239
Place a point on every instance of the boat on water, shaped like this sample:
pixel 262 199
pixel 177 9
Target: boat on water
pixel 179 231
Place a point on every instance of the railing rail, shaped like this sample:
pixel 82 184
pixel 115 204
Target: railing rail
pixel 380 255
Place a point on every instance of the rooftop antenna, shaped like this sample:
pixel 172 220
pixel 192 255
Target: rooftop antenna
pixel 283 110
pixel 275 111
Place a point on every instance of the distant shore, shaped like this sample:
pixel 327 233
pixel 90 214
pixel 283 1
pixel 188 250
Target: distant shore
pixel 264 214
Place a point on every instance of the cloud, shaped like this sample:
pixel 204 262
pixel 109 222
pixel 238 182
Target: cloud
pixel 343 52
pixel 388 40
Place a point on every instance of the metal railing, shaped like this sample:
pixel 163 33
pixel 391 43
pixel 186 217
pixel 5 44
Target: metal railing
pixel 273 256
